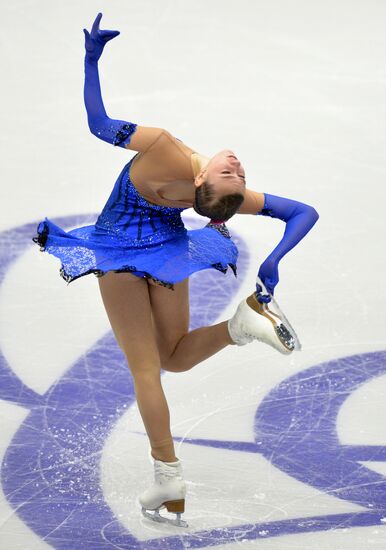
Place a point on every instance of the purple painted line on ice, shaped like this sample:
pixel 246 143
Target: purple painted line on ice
pixel 295 429
pixel 12 243
pixel 296 425
pixel 50 473
pixel 247 531
pixel 356 452
pixel 51 470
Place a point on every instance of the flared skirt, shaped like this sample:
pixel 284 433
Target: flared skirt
pixel 167 259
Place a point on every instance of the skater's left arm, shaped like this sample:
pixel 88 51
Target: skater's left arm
pixel 117 132
pixel 299 219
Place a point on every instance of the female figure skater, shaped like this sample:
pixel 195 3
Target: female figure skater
pixel 143 255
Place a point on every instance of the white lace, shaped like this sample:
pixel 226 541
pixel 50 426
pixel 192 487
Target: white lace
pixel 167 471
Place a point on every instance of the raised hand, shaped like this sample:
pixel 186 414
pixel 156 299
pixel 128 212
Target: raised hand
pixel 97 39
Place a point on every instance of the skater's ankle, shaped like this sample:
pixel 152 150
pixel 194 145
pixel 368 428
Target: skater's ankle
pixel 230 341
pixel 164 458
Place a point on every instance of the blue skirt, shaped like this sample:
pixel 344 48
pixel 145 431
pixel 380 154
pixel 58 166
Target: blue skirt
pixel 132 235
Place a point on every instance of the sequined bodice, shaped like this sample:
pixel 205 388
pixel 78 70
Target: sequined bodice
pixel 130 218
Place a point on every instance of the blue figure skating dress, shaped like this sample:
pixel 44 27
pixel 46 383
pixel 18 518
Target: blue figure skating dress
pixel 136 236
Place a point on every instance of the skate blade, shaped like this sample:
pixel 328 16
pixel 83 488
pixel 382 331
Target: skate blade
pixel 285 343
pixel 283 328
pixel 287 332
pixel 161 519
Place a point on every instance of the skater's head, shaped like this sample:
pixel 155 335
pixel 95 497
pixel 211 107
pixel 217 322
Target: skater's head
pixel 220 187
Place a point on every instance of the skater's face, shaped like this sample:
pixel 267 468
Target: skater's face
pixel 225 172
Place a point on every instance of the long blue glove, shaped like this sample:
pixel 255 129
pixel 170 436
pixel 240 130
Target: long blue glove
pixel 299 218
pixel 117 132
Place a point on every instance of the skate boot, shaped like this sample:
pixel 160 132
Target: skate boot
pixel 255 320
pixel 168 492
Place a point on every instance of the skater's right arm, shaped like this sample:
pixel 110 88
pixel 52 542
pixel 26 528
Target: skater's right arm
pixel 299 219
pixel 117 132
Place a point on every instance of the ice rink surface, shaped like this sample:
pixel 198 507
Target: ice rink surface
pixel 278 452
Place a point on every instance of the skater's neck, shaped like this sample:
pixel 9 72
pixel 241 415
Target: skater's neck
pixel 199 162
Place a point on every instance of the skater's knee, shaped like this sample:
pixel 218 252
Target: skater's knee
pixel 171 366
pixel 145 371
pixel 167 360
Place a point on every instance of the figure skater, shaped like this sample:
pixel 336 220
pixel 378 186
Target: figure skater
pixel 143 255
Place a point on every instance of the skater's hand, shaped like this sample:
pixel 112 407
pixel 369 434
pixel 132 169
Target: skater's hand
pixel 97 39
pixel 269 274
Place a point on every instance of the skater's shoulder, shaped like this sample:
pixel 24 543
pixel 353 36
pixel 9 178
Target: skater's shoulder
pixel 146 139
pixel 176 143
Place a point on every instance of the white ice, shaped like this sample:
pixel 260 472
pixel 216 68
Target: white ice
pixel 298 90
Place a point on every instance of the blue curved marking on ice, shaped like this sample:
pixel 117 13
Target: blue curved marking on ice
pixel 50 472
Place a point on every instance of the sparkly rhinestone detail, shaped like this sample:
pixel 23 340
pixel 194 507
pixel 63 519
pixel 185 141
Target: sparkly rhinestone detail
pixel 223 269
pixel 152 236
pixel 266 212
pixel 156 223
pixel 42 235
pixel 125 132
pixel 113 131
pixel 174 229
pixel 125 269
pixel 221 228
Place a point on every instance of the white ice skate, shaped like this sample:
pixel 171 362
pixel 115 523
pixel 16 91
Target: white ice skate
pixel 168 492
pixel 256 320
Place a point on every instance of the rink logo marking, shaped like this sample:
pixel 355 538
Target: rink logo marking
pixel 50 470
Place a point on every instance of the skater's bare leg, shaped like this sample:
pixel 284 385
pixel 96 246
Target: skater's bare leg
pixel 179 349
pixel 126 300
pixel 198 345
